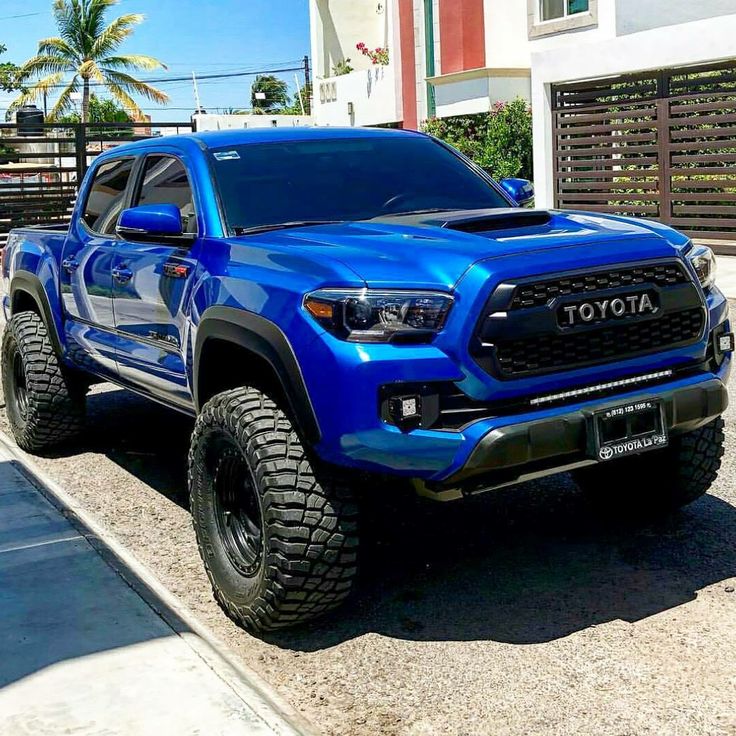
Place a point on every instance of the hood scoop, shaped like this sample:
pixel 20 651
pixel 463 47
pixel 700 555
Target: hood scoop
pixel 486 220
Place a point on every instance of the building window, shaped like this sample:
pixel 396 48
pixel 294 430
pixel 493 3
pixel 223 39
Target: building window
pixel 549 17
pixel 559 9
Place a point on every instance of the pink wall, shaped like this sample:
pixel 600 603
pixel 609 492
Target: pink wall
pixel 462 35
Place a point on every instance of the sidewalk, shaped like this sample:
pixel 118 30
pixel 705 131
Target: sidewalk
pixel 82 652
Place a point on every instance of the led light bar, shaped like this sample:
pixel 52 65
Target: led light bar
pixel 540 400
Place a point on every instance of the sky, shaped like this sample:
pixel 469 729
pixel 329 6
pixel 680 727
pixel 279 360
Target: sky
pixel 207 37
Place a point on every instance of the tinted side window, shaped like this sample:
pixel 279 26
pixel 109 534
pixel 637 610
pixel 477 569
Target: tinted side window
pixel 105 200
pixel 165 181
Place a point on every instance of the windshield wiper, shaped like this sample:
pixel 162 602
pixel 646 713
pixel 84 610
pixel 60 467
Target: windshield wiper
pixel 239 230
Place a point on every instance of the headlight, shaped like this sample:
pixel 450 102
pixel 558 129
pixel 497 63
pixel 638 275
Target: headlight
pixel 364 315
pixel 704 263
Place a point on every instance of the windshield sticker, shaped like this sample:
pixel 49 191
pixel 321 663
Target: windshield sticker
pixel 226 155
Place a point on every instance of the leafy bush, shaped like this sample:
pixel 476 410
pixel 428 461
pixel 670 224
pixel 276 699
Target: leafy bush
pixel 341 68
pixel 499 140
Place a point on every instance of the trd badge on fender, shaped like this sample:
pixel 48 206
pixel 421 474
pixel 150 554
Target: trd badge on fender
pixel 603 310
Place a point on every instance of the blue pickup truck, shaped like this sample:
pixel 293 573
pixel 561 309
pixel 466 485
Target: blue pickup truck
pixel 342 308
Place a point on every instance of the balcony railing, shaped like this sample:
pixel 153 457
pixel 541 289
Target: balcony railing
pixel 366 97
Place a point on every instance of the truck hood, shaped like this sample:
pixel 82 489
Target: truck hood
pixel 435 250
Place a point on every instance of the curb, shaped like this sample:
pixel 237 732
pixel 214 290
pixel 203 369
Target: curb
pixel 255 692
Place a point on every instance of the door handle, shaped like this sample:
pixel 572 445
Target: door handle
pixel 122 274
pixel 70 265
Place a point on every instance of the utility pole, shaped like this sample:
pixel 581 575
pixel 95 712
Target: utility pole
pixel 196 92
pixel 307 80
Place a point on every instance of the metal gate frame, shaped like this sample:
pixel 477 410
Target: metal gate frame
pixel 42 165
pixel 659 144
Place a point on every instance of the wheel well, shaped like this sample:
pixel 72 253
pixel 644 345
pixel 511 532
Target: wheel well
pixel 225 365
pixel 23 302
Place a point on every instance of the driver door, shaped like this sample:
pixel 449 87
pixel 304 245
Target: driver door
pixel 151 285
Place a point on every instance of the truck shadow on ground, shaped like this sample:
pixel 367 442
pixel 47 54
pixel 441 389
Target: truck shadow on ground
pixel 522 565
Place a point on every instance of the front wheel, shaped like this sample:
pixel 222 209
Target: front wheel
pixel 659 481
pixel 277 536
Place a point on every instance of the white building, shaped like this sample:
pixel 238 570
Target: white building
pixel 445 57
pixel 209 121
pixel 635 108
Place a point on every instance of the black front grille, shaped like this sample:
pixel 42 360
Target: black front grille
pixel 539 293
pixel 520 334
pixel 551 352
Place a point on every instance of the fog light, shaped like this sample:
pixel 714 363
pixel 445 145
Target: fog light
pixel 726 343
pixel 406 410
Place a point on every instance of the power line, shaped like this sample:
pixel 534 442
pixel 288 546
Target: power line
pixel 204 77
pixel 22 15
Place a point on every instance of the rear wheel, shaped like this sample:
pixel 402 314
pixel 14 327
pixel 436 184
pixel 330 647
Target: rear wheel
pixel 659 481
pixel 45 406
pixel 277 535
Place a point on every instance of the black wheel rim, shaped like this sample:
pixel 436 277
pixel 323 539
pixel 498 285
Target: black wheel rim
pixel 237 508
pixel 20 388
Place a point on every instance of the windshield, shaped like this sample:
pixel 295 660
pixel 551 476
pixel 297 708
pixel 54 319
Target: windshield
pixel 300 182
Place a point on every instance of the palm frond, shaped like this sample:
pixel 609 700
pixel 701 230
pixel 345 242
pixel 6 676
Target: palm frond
pixel 64 103
pixel 68 15
pixel 111 37
pixel 132 61
pixel 131 85
pixel 44 64
pixel 95 11
pixel 59 48
pixel 130 105
pixel 34 93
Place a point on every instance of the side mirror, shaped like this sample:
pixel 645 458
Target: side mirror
pixel 520 190
pixel 150 221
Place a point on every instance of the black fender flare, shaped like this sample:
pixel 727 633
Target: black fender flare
pixel 29 283
pixel 265 339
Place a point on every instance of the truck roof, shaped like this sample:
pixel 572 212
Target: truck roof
pixel 219 138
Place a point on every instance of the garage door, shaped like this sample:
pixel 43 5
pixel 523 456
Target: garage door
pixel 659 145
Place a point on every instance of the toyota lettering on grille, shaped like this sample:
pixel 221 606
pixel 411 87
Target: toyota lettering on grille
pixel 604 310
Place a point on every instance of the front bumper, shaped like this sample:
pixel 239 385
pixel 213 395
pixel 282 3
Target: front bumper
pixel 519 451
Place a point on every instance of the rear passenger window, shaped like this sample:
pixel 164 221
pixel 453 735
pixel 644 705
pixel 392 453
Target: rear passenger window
pixel 106 197
pixel 165 181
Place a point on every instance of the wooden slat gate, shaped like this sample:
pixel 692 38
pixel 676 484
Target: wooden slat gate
pixel 660 144
pixel 41 165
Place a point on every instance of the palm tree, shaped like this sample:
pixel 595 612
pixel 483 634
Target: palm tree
pixel 87 49
pixel 275 94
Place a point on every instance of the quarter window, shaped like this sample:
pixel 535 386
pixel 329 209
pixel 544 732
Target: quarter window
pixel 165 181
pixel 107 196
pixel 556 9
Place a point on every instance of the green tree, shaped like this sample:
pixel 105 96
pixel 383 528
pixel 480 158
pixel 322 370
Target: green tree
pixel 100 111
pixel 8 74
pixel 104 111
pixel 305 93
pixel 499 140
pixel 276 94
pixel 87 49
